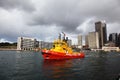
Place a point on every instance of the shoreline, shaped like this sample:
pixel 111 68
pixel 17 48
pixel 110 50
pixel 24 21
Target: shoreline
pixel 7 49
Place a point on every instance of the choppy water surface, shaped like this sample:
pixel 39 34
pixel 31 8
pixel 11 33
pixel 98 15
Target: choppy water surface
pixel 31 66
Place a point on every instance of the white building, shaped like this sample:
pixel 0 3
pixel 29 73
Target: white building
pixel 19 43
pixel 110 49
pixel 93 40
pixel 25 43
pixel 86 40
pixel 79 41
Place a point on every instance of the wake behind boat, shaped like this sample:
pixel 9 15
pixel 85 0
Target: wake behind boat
pixel 61 50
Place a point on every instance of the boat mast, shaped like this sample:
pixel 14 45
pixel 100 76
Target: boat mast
pixel 59 37
pixel 63 36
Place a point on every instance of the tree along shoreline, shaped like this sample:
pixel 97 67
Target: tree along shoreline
pixel 8 46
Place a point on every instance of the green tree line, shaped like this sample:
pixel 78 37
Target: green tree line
pixel 8 45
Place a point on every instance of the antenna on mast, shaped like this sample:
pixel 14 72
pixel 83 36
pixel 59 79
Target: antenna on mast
pixel 59 36
pixel 63 35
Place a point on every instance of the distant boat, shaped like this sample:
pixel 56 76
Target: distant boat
pixel 61 50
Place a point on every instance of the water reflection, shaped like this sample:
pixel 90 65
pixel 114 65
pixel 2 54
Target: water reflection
pixel 62 69
pixel 56 68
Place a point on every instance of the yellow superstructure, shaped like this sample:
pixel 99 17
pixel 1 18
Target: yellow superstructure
pixel 61 46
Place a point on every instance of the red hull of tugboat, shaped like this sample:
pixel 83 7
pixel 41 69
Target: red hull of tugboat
pixel 47 54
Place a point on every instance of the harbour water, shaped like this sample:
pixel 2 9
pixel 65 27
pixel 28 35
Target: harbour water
pixel 25 65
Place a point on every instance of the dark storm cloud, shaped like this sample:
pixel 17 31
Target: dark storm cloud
pixel 25 5
pixel 62 13
pixel 71 13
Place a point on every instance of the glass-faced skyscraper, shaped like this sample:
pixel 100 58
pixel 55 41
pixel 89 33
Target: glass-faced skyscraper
pixel 100 27
pixel 113 37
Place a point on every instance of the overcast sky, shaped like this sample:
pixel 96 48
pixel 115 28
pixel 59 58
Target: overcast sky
pixel 45 19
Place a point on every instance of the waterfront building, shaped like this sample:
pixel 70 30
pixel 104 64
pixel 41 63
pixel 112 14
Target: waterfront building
pixel 118 40
pixel 86 40
pixel 46 45
pixel 100 27
pixel 113 37
pixel 79 41
pixel 19 43
pixel 110 44
pixel 25 43
pixel 110 48
pixel 93 40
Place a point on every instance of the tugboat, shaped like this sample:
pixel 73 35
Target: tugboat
pixel 61 50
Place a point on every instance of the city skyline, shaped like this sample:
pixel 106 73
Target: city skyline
pixel 44 19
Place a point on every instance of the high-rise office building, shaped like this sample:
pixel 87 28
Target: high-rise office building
pixel 80 40
pixel 100 27
pixel 118 40
pixel 93 40
pixel 113 37
pixel 86 40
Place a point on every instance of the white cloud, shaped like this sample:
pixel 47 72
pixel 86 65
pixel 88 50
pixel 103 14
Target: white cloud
pixel 86 26
pixel 3 40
